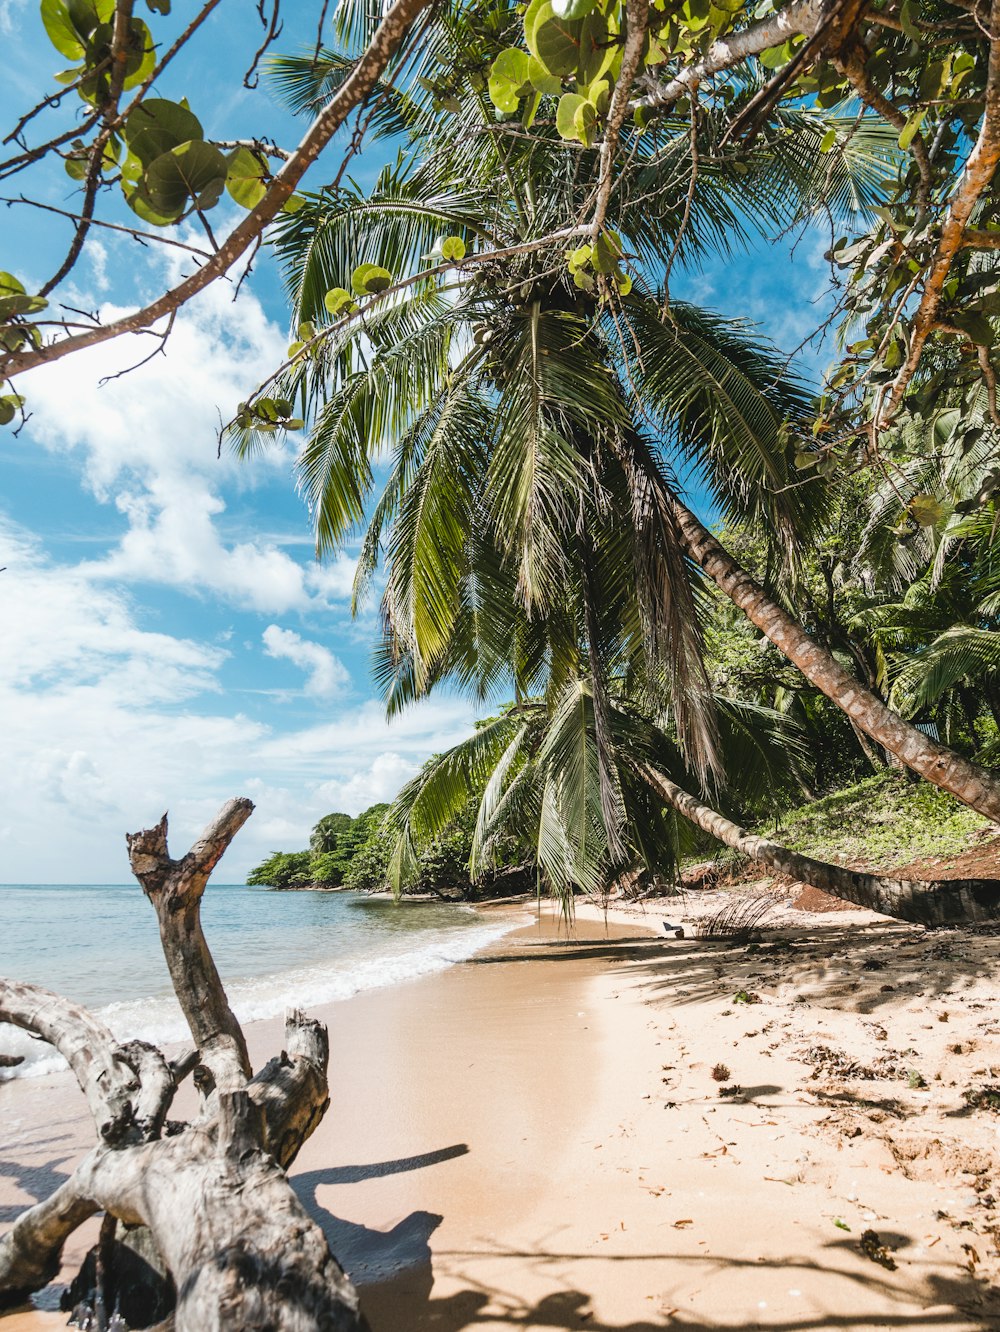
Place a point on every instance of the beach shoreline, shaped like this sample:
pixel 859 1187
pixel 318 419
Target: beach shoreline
pixel 534 1138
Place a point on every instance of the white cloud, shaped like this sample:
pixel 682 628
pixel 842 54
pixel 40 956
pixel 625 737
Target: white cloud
pixel 373 785
pixel 98 256
pixel 9 10
pixel 148 443
pixel 58 625
pixel 326 673
pixel 335 580
pixel 107 723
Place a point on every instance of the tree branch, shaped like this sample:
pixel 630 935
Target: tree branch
pixel 637 21
pixel 384 44
pixel 800 17
pixel 976 177
pixel 109 113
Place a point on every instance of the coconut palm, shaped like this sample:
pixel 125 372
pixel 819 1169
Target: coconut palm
pixel 534 774
pixel 930 545
pixel 522 404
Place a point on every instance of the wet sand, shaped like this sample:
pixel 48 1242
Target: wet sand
pixel 535 1140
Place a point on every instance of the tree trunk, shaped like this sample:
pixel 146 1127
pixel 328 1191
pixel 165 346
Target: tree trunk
pixel 222 1219
pixel 945 902
pixel 968 782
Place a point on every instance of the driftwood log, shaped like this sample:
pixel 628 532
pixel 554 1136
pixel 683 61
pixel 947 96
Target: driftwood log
pixel 204 1209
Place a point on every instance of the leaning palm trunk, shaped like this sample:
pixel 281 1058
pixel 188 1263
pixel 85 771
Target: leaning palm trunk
pixel 968 782
pixel 944 902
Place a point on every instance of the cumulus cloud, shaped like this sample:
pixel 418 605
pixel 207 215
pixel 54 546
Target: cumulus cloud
pixel 147 442
pixel 377 783
pixel 57 624
pixel 107 723
pixel 123 693
pixel 326 674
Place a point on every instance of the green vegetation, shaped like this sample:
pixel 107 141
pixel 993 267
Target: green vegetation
pixel 337 843
pixel 357 853
pixel 883 821
pixel 492 316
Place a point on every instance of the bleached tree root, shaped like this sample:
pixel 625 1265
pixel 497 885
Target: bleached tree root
pixel 222 1220
pixel 942 902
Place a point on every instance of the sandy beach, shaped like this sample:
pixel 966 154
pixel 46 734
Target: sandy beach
pixel 535 1139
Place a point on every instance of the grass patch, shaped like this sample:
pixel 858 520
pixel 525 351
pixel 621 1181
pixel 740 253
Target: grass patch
pixel 882 821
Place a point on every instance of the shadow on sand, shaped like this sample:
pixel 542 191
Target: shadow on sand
pixel 394 1274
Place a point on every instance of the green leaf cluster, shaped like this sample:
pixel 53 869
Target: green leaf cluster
pixel 16 331
pixel 82 30
pixel 603 258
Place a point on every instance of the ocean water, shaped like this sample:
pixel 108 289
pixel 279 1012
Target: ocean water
pixel 99 944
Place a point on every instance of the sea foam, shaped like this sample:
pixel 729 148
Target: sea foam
pixel 158 1019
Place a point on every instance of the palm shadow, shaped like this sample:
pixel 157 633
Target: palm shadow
pixel 948 1301
pixel 828 961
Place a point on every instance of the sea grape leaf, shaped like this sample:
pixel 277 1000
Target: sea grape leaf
pixel 598 54
pixel 453 248
pixel 192 171
pixel 367 279
pixel 71 23
pixel 247 177
pixel 510 79
pixel 555 41
pixel 576 118
pixel 338 300
pixel 157 125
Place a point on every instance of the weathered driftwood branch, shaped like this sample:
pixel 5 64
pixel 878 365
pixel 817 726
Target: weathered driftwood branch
pixel 212 1197
pixel 175 888
pixel 107 1081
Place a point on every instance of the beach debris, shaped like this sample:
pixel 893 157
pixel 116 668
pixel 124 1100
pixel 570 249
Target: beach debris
pixel 837 1063
pixel 915 1080
pixel 739 920
pixel 841 1225
pixel 873 1249
pixel 721 1073
pixel 734 1090
pixel 986 1097
pixel 746 997
pixel 677 931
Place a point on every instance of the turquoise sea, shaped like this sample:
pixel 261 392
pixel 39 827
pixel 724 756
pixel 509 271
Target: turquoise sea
pixel 98 944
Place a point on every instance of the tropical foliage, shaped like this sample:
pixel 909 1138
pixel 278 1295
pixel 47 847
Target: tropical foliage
pixel 336 842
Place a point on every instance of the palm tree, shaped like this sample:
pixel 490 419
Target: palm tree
pixel 936 630
pixel 534 774
pixel 521 402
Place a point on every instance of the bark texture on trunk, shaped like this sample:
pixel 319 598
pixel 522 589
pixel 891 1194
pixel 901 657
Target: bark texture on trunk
pixel 212 1196
pixel 969 782
pixel 945 902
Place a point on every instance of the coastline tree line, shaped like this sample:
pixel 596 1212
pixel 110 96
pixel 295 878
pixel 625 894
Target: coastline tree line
pixel 494 317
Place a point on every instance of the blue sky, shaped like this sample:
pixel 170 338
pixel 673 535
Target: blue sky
pixel 168 640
